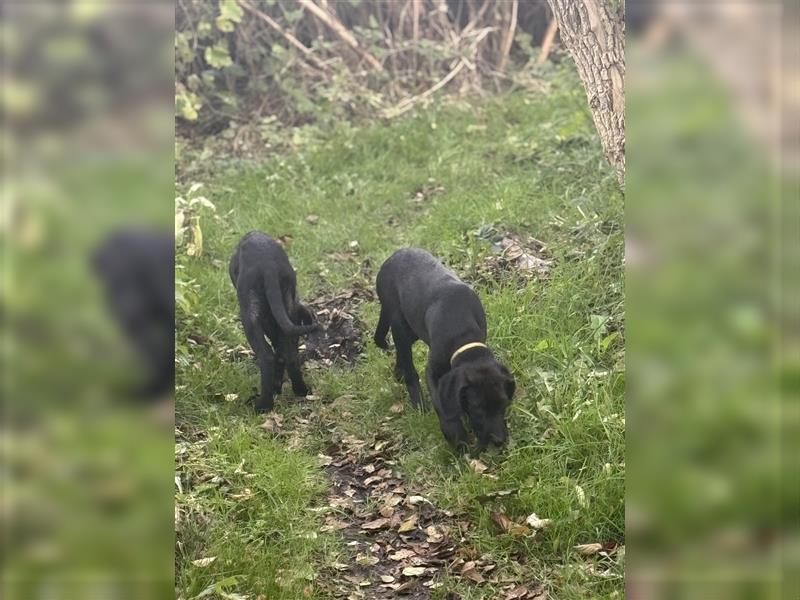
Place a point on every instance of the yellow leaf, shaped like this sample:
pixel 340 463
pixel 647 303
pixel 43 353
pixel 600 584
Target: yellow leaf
pixel 408 525
pixel 197 237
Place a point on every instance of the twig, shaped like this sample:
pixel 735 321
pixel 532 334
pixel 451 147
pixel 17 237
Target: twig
pixel 508 39
pixel 285 34
pixel 408 103
pixel 415 6
pixel 547 44
pixel 478 16
pixel 340 30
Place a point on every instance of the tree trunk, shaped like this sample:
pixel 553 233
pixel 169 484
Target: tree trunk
pixel 593 32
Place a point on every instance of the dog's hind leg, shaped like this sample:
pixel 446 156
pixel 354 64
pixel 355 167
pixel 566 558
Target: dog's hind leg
pixel 251 321
pixel 292 358
pixel 382 329
pixel 404 368
pixel 278 342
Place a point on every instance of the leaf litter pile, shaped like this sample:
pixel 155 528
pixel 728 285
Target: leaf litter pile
pixel 397 541
pixel 528 258
pixel 339 338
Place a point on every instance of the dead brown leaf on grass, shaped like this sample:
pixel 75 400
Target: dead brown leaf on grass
pixel 272 423
pixel 402 554
pixel 536 523
pixel 507 525
pixel 478 466
pixel 588 549
pixel 376 524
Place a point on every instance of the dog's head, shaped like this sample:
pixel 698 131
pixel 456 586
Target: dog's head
pixel 481 392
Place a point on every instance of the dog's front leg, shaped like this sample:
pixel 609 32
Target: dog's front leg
pixel 433 373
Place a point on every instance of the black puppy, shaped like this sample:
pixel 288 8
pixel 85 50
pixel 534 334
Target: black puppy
pixel 137 269
pixel 421 299
pixel 266 286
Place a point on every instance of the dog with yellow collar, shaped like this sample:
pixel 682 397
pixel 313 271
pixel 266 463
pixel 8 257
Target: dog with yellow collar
pixel 421 299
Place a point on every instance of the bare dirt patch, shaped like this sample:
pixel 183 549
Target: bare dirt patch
pixel 340 339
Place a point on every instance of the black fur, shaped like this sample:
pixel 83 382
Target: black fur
pixel 423 300
pixel 137 269
pixel 266 286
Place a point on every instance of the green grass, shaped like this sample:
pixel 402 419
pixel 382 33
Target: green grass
pixel 529 164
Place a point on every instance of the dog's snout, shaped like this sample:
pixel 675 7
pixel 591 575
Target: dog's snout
pixel 499 440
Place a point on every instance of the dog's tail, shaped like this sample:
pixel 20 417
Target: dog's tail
pixel 278 308
pixel 382 330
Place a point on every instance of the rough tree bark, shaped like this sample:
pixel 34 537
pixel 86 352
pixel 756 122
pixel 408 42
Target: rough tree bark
pixel 593 31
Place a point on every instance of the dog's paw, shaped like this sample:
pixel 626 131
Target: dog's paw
pixel 264 405
pixel 301 391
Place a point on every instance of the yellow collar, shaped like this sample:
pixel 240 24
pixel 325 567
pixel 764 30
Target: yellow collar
pixel 466 347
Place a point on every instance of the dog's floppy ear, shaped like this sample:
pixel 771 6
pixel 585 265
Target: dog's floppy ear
pixel 448 407
pixel 508 382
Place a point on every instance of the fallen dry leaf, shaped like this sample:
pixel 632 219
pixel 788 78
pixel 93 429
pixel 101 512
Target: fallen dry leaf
pixel 386 511
pixel 413 571
pixel 245 494
pixel 366 560
pixel 414 500
pixel 473 575
pixel 581 496
pixel 508 525
pixel 434 534
pixel 387 578
pixel 376 524
pixel 272 423
pixel 588 549
pixel 402 554
pixel 497 494
pixel 397 407
pixel 408 525
pixel 333 524
pixel 477 466
pixel 313 219
pixel 393 500
pixel 517 593
pixel 204 562
pixel 534 521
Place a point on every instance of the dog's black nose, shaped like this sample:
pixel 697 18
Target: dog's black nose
pixel 499 441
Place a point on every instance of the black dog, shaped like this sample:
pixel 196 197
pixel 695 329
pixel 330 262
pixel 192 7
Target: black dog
pixel 137 269
pixel 421 299
pixel 266 286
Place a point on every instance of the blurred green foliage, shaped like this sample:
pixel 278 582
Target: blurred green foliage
pixel 705 499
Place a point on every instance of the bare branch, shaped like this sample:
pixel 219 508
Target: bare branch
pixel 547 43
pixel 306 51
pixel 341 31
pixel 408 103
pixel 508 38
